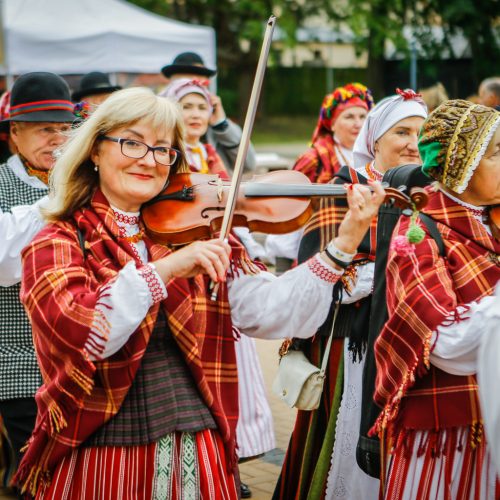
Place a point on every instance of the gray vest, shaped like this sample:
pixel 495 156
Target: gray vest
pixel 19 373
pixel 163 398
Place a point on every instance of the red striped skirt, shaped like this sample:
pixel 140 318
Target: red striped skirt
pixel 180 466
pixel 440 466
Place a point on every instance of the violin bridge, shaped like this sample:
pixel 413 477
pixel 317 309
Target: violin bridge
pixel 220 189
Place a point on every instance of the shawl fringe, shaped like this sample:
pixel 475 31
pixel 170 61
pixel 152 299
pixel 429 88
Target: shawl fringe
pixel 439 442
pixel 420 367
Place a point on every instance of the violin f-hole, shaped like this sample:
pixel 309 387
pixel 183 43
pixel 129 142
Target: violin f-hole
pixel 204 212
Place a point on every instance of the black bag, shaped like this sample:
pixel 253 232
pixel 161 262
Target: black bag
pixel 368 448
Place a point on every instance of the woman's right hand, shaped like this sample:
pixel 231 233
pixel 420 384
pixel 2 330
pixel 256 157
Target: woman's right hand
pixel 363 207
pixel 201 257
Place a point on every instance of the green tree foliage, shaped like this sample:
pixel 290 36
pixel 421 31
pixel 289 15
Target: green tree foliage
pixel 240 23
pixel 240 26
pixel 477 20
pixel 374 22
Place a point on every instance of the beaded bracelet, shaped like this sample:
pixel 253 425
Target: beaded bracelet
pixel 339 263
pixel 339 254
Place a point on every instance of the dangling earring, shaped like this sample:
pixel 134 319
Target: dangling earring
pixel 96 168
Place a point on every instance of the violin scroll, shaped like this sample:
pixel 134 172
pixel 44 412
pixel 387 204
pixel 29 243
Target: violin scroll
pixel 417 199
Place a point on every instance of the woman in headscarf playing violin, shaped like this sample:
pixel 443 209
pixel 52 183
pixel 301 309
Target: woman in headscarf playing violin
pixel 431 426
pixel 320 461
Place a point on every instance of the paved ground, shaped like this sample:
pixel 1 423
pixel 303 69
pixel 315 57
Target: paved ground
pixel 261 475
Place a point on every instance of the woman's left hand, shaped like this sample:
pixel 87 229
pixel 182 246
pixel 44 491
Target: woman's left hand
pixel 218 113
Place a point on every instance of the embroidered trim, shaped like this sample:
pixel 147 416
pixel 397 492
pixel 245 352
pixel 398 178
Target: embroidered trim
pixel 479 153
pixel 322 271
pixel 148 273
pixel 126 219
pixel 373 173
pixel 475 210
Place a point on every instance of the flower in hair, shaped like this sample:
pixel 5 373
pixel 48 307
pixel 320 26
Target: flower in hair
pixel 201 83
pixel 343 94
pixel 408 94
pixel 82 110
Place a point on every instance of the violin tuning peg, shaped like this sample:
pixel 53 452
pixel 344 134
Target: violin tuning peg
pixel 402 188
pixel 385 184
pixel 407 212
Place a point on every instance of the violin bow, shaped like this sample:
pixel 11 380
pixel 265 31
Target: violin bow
pixel 245 137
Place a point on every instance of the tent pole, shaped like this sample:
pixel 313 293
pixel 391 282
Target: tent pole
pixel 9 80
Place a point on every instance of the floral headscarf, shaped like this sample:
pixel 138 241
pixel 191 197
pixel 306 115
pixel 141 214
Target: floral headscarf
pixel 352 94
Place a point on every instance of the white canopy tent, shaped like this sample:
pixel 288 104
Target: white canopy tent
pixel 78 36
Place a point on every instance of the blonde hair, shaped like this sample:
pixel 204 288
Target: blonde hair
pixel 434 96
pixel 73 179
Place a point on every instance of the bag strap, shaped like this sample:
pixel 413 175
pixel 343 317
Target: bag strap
pixel 434 232
pixel 326 354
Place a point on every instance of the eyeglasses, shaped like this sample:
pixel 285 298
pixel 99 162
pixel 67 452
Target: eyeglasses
pixel 137 149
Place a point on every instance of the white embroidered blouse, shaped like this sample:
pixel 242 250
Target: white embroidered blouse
pixel 262 305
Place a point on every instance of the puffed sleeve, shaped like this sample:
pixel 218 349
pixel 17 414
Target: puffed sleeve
pixel 294 304
pixel 456 342
pixel 489 374
pixel 17 229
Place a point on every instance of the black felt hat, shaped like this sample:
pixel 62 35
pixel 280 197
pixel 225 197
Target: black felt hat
pixel 94 83
pixel 188 62
pixel 39 97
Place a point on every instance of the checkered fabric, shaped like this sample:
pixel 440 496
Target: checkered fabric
pixel 19 373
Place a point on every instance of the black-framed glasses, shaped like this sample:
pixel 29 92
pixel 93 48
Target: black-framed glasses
pixel 137 149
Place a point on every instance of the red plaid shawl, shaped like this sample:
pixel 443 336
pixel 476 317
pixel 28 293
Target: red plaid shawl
pixel 325 221
pixel 60 290
pixel 319 162
pixel 422 291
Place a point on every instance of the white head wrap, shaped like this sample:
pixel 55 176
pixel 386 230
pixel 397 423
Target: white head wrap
pixel 381 118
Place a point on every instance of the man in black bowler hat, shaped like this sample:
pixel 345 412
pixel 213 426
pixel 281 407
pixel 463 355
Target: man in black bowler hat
pixel 41 113
pixel 94 89
pixel 224 134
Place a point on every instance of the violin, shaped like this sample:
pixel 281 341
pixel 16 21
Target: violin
pixel 192 206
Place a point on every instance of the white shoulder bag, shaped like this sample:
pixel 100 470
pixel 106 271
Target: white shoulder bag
pixel 298 382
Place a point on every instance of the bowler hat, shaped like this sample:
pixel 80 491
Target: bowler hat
pixel 39 97
pixel 94 83
pixel 188 62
